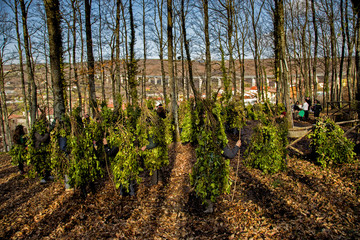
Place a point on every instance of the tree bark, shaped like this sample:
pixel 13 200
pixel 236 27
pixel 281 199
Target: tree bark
pixel 356 7
pixel 280 48
pixel 90 58
pixel 30 69
pixel 6 127
pixel 207 49
pixel 174 106
pixel 187 50
pixel 316 43
pixel 52 8
pixel 132 65
pixel 23 88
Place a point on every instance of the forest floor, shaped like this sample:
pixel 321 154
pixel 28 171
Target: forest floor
pixel 302 202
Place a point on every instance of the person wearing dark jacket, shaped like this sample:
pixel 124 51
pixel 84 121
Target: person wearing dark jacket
pixel 317 109
pixel 231 153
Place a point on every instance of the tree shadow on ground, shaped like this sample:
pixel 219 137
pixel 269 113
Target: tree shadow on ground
pixel 274 208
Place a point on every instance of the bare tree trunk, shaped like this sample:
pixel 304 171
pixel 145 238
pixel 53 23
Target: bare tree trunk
pixel 68 102
pixel 340 97
pixel 207 49
pixel 187 50
pixel 280 13
pixel 132 65
pixel 356 6
pixel 76 79
pixel 230 29
pixel 102 68
pixel 350 44
pixel 174 106
pixel 6 136
pixel 159 7
pixel 314 72
pixel 90 58
pixel 52 8
pixel 117 56
pixel 16 2
pixel 112 72
pixel 82 71
pixel 254 22
pixel 30 69
pixel 304 54
pixel 143 85
pixel 126 62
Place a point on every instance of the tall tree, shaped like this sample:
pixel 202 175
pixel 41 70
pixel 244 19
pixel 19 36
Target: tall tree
pixel 356 7
pixel 102 67
pixel 74 37
pixel 187 50
pixel 21 63
pixel 90 58
pixel 116 79
pixel 29 63
pixel 159 30
pixel 174 106
pixel 280 55
pixel 143 83
pixel 52 8
pixel 132 64
pixel 207 49
pixel 4 112
pixel 255 13
pixel 316 43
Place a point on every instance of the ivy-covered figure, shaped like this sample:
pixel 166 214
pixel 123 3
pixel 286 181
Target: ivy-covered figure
pixel 60 150
pixel 190 126
pixel 329 145
pixel 84 166
pixel 38 149
pixel 210 174
pixel 156 139
pixel 267 150
pixel 124 159
pixel 18 150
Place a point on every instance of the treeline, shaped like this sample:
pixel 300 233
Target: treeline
pixel 82 37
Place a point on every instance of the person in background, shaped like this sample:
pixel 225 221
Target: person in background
pixel 306 107
pixel 317 108
pixel 161 111
pixel 296 106
pixel 20 142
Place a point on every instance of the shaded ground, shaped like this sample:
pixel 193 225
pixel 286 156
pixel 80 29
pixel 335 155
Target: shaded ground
pixel 304 202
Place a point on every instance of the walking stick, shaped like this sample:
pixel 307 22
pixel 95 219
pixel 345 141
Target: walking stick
pixel 237 169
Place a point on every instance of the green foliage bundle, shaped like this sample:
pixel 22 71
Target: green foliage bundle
pixel 59 159
pixel 151 127
pixel 84 164
pixel 210 174
pixel 37 158
pixel 330 145
pixel 132 113
pixel 267 150
pixel 124 165
pixel 18 154
pixel 259 111
pixel 234 115
pixel 191 122
pixel 251 114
